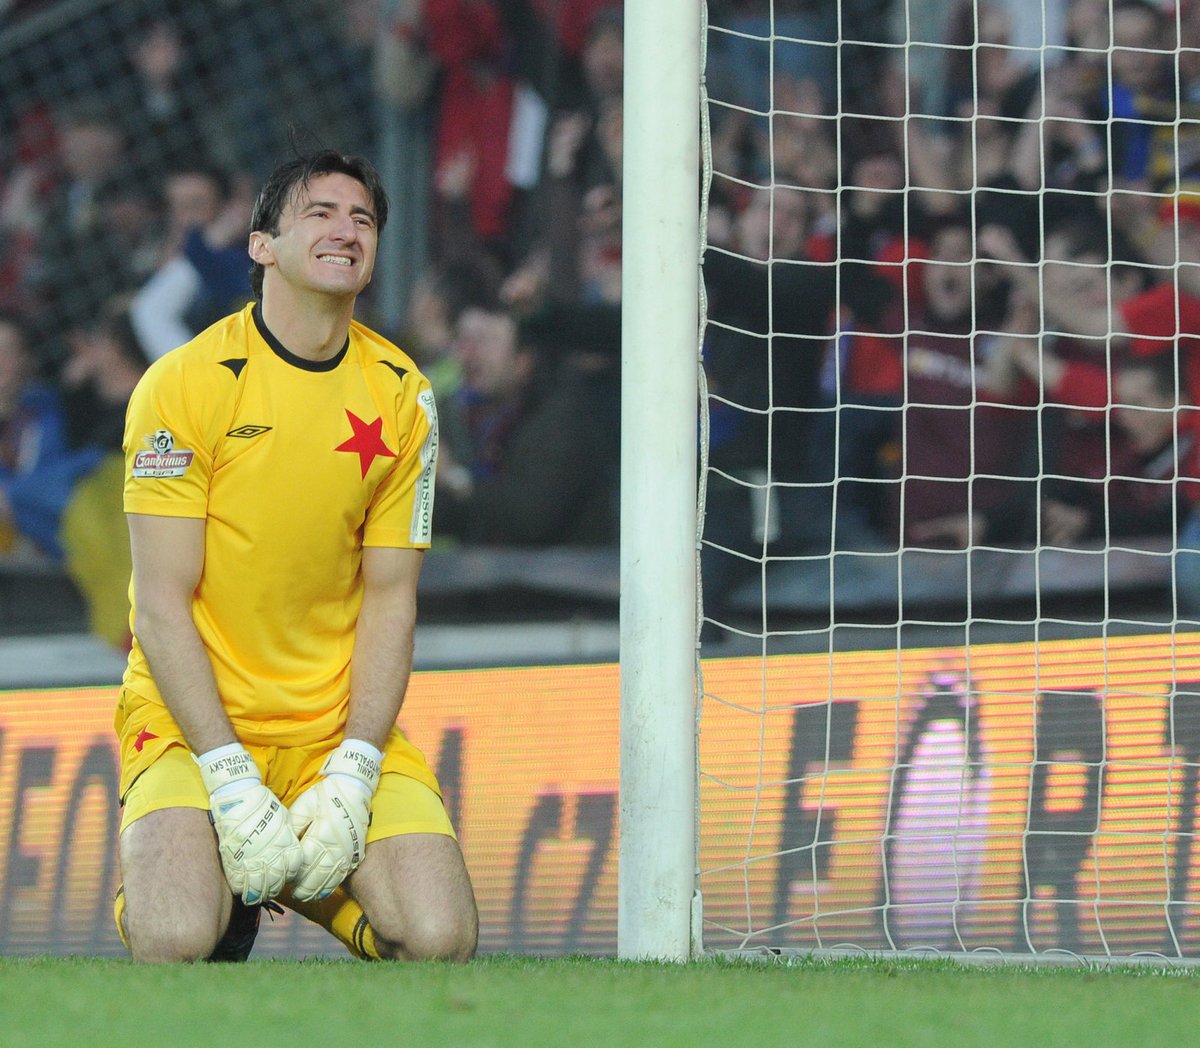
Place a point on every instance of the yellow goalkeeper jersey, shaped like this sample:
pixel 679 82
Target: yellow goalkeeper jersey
pixel 295 466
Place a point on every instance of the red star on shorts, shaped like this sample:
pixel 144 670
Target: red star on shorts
pixel 367 441
pixel 143 737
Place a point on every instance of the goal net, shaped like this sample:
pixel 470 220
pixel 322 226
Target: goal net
pixel 950 696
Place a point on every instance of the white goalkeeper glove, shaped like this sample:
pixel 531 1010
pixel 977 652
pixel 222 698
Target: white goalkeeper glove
pixel 332 816
pixel 259 849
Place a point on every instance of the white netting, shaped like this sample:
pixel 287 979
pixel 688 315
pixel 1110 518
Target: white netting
pixel 952 277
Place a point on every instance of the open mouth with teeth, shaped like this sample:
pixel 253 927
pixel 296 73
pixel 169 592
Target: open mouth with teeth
pixel 337 260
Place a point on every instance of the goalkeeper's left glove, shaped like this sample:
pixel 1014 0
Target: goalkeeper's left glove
pixel 332 816
pixel 259 850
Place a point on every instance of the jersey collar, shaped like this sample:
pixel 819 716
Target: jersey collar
pixel 289 357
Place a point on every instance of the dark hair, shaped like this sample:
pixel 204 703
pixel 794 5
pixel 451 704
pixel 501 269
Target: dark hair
pixel 295 174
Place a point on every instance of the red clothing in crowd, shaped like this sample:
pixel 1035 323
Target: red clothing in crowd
pixel 872 361
pixel 959 441
pixel 475 109
pixel 1158 321
pixel 575 19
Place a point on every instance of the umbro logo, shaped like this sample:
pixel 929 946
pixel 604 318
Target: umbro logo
pixel 248 431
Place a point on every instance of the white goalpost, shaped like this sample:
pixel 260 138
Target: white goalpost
pixel 658 823
pixel 948 697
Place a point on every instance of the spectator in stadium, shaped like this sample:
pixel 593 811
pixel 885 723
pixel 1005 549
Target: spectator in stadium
pixel 1057 150
pixel 458 243
pixel 104 366
pixel 1086 283
pixel 961 443
pixel 885 228
pixel 38 468
pixel 603 68
pixel 745 311
pixel 474 48
pixel 162 97
pixel 1140 97
pixel 577 254
pixel 1166 316
pixel 575 249
pixel 28 171
pixel 764 347
pixel 530 444
pixel 1164 322
pixel 976 149
pixel 203 273
pixel 129 237
pixel 794 38
pixel 1134 491
pixel 279 493
pixel 439 296
pixel 796 143
pixel 987 70
pixel 81 265
pixel 92 150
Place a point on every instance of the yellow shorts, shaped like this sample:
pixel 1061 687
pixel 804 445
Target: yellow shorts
pixel 158 771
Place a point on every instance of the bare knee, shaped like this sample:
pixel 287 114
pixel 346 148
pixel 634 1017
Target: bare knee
pixel 417 896
pixel 430 937
pixel 187 938
pixel 176 900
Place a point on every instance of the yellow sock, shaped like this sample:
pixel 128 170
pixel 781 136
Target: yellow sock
pixel 342 917
pixel 119 915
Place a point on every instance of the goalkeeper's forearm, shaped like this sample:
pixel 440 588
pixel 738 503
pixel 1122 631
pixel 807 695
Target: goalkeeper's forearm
pixel 184 676
pixel 383 643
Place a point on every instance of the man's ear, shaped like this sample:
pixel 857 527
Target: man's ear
pixel 259 248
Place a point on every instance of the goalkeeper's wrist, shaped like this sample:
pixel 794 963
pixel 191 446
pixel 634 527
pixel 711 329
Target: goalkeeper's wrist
pixel 358 760
pixel 227 768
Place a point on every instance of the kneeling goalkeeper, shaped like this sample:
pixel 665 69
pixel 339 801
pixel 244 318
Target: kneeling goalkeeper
pixel 279 488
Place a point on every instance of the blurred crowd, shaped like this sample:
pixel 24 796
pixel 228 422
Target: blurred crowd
pixel 980 325
pixel 953 289
pixel 133 138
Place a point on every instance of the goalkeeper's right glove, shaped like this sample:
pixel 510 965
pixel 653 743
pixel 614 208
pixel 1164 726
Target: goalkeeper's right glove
pixel 331 818
pixel 259 850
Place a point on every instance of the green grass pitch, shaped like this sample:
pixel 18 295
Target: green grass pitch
pixel 506 1000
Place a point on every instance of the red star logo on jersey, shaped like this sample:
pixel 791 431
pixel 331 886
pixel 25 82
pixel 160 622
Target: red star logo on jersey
pixel 144 737
pixel 367 441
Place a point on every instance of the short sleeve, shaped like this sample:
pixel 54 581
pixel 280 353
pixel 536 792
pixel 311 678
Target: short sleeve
pixel 168 460
pixel 401 511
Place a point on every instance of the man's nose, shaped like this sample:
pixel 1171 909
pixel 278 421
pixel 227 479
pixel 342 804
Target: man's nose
pixel 344 230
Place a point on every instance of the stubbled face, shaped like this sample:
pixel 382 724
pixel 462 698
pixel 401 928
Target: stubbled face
pixel 327 238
